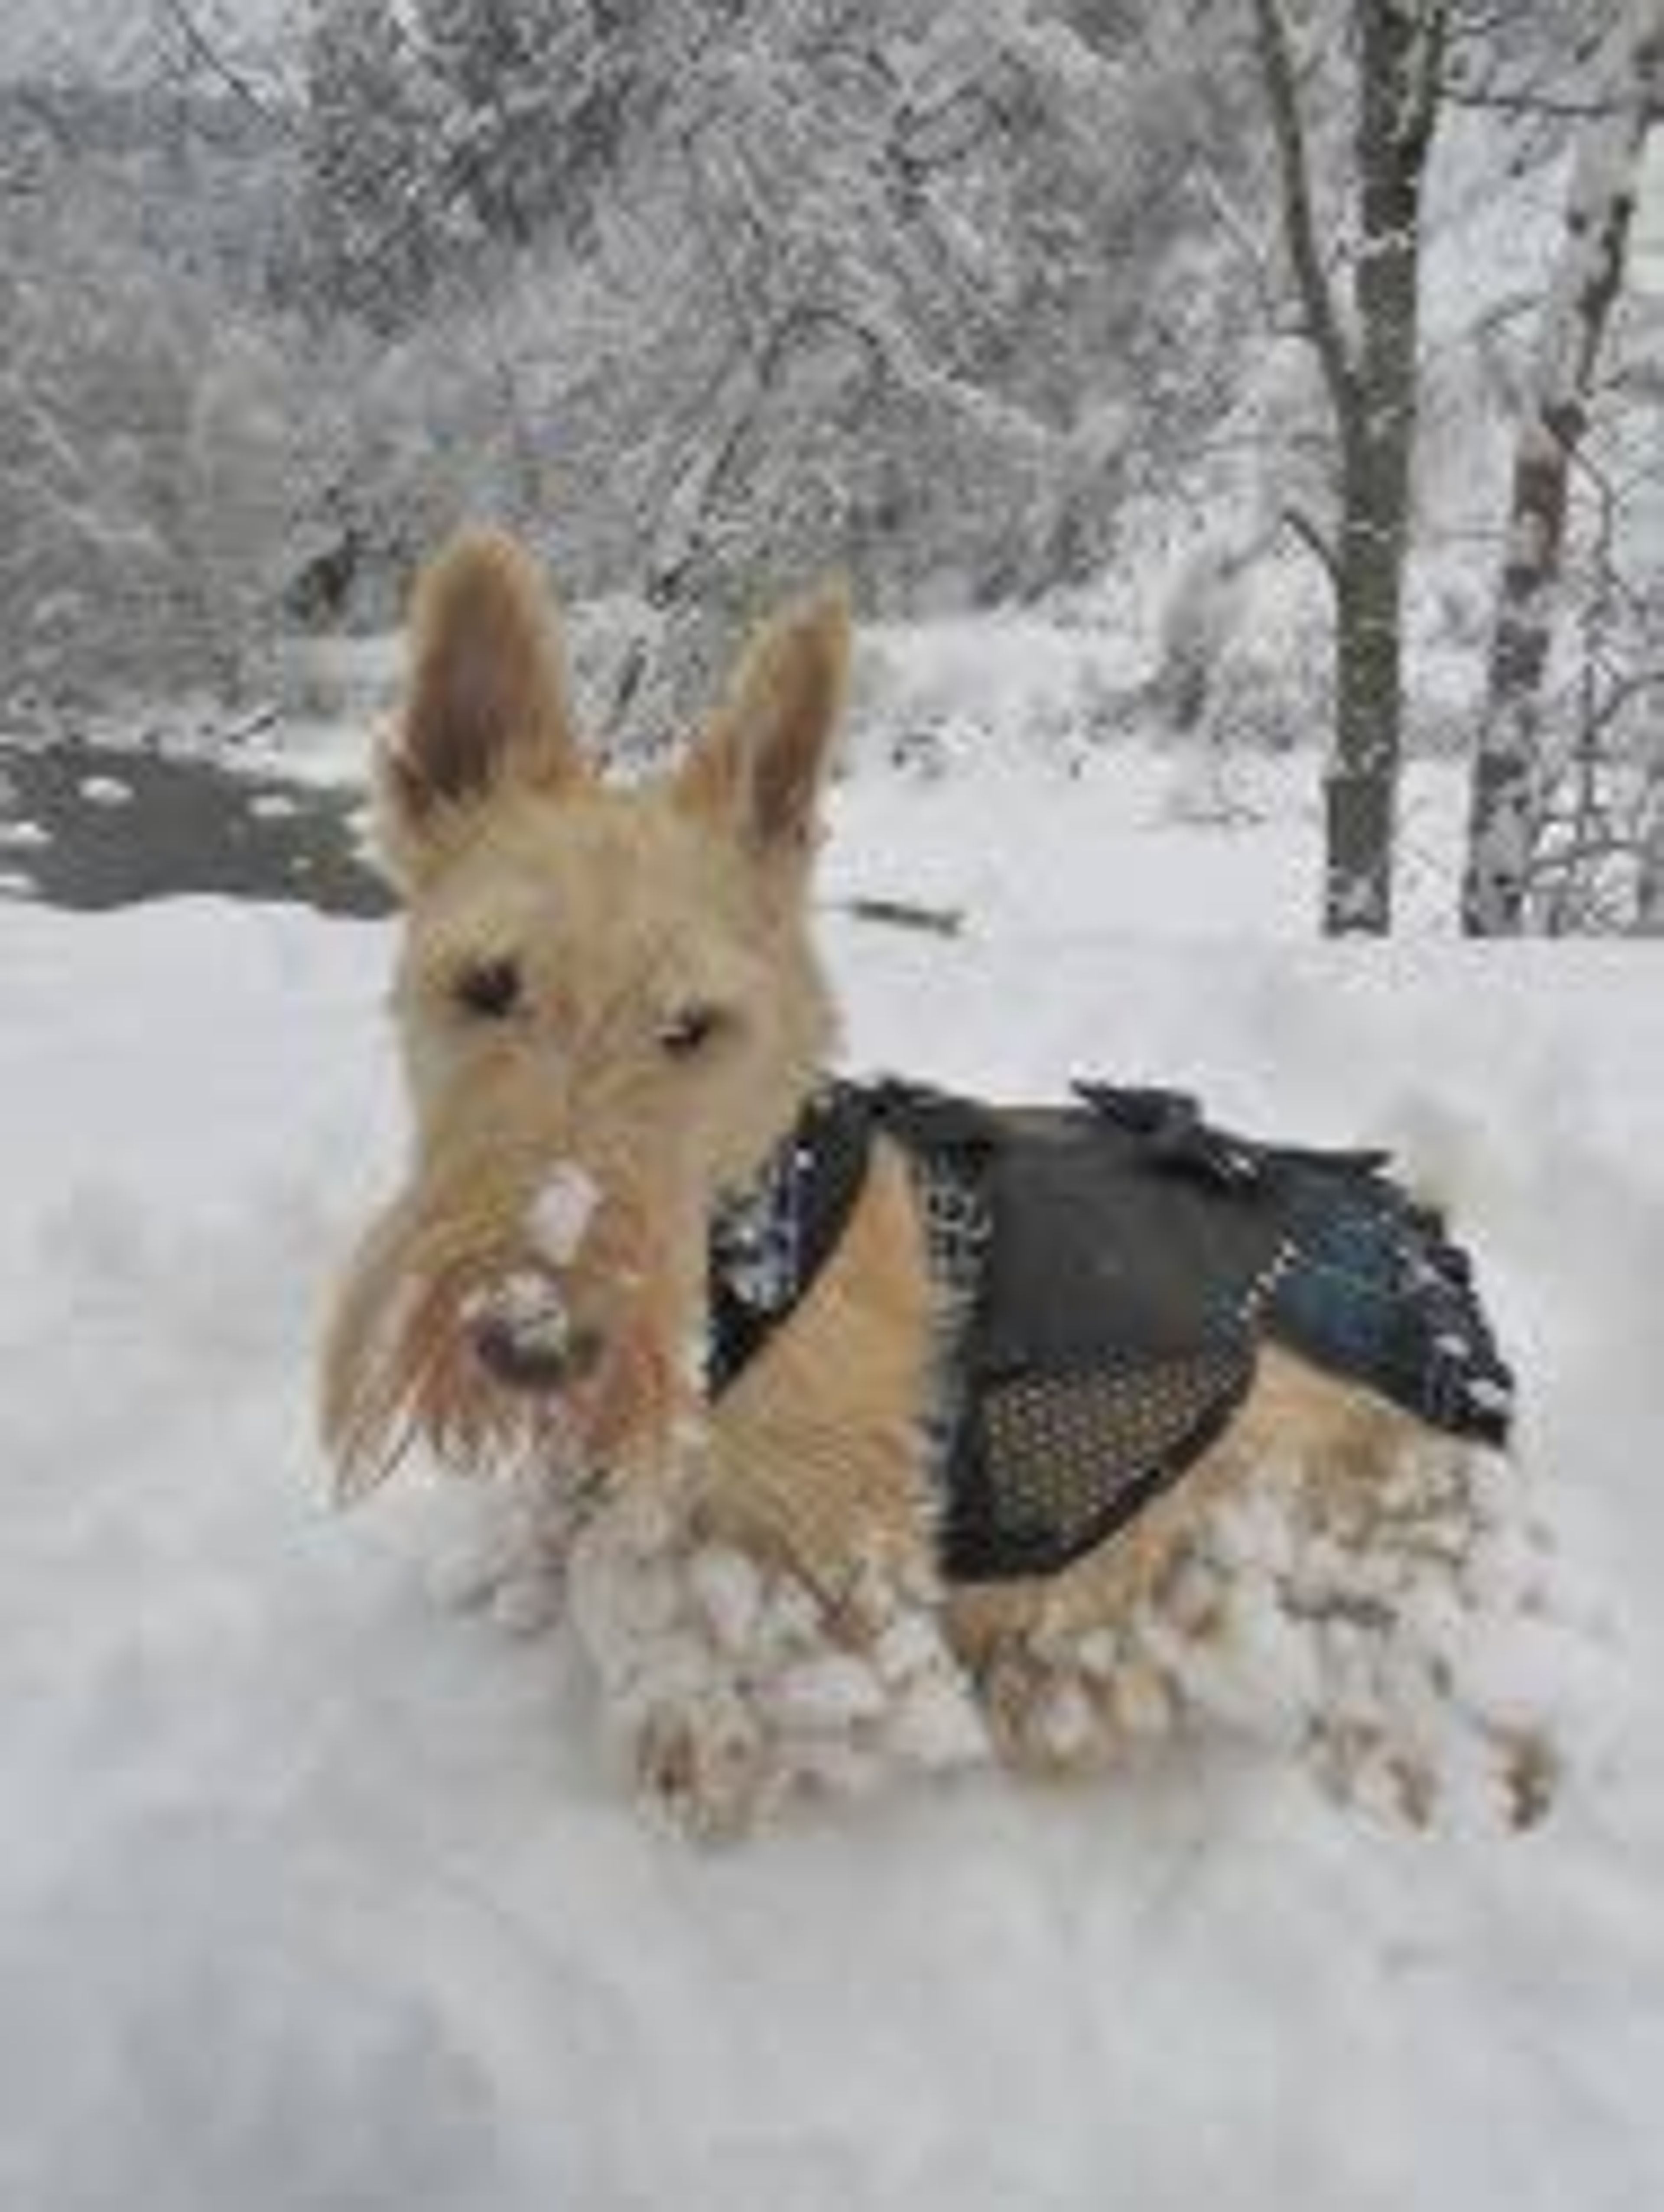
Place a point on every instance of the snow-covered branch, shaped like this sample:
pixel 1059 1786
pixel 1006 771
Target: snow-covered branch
pixel 1318 303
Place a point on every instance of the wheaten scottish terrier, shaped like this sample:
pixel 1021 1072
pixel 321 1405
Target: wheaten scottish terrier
pixel 852 1454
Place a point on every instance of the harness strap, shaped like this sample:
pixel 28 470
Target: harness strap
pixel 769 1245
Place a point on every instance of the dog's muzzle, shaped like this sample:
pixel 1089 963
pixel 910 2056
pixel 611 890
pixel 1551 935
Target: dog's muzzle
pixel 526 1336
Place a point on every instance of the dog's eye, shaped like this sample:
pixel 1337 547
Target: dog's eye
pixel 685 1034
pixel 490 989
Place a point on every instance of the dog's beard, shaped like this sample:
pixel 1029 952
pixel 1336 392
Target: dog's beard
pixel 404 1364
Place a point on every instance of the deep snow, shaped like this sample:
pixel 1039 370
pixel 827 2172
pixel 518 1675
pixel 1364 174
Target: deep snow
pixel 314 1893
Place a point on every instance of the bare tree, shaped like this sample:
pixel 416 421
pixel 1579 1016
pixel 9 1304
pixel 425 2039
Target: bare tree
pixel 1586 284
pixel 1369 374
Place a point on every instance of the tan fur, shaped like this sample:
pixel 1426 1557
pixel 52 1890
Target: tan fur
pixel 620 908
pixel 616 987
pixel 815 1450
pixel 1313 1438
pixel 486 701
pixel 1315 1445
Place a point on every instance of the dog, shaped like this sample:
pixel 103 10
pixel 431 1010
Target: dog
pixel 615 1030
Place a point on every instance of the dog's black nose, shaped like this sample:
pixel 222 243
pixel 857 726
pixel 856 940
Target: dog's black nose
pixel 532 1363
pixel 535 1344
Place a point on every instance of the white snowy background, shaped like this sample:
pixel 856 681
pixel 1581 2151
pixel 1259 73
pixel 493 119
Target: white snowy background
pixel 314 1893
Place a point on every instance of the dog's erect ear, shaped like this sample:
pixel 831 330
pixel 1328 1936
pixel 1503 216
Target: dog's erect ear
pixel 760 765
pixel 486 699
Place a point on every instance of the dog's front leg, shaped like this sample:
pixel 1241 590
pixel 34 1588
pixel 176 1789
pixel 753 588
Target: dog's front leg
pixel 693 1746
pixel 737 1688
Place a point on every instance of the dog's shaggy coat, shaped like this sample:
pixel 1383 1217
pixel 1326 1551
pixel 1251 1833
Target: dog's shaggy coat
pixel 611 1011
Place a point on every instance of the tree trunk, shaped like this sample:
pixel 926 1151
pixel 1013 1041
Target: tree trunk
pixel 1371 380
pixel 1586 283
pixel 1378 437
pixel 1649 887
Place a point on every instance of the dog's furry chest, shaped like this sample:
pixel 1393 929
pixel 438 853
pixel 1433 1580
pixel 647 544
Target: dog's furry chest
pixel 1107 1273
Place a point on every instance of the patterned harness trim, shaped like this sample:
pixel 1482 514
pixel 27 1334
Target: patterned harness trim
pixel 1107 1271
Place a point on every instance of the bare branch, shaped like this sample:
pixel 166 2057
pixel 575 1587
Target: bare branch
pixel 1428 88
pixel 1269 291
pixel 201 48
pixel 1542 105
pixel 1317 300
pixel 1298 522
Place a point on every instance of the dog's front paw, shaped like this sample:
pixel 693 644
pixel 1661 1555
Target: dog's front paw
pixel 703 1766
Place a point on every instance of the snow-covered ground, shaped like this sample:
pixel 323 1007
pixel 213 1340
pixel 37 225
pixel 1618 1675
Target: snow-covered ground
pixel 313 1894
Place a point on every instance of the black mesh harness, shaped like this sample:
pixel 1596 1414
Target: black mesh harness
pixel 1107 1271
